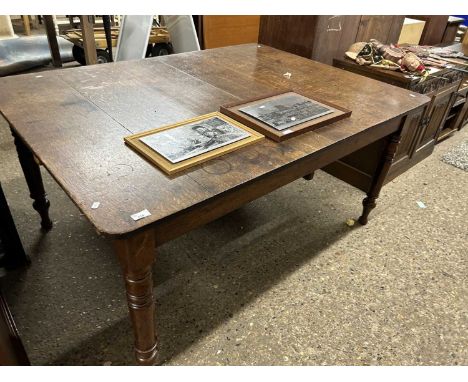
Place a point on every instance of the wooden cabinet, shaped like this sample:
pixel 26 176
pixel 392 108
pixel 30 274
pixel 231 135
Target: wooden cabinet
pixel 461 118
pixel 441 104
pixel 358 168
pixel 323 38
pixel 409 143
pixel 420 131
pixel 460 107
pixel 443 88
pixel 11 255
pixel 451 29
pixel 434 29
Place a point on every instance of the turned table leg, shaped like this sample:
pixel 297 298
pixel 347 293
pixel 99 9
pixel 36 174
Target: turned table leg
pixel 32 174
pixel 379 177
pixel 136 255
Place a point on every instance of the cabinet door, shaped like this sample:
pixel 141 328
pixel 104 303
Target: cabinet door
pixel 460 118
pixel 409 134
pixel 438 110
pixel 464 121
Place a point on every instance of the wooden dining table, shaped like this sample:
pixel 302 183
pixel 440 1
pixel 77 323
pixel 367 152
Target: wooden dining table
pixel 73 123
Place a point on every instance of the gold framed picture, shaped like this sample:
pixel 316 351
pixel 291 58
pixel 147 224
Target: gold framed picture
pixel 176 147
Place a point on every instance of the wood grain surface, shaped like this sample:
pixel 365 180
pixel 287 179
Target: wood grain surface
pixel 229 30
pixel 74 121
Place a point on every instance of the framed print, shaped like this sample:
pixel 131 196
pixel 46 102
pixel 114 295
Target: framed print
pixel 179 146
pixel 286 114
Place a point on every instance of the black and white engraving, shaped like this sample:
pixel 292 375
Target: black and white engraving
pixel 286 111
pixel 187 141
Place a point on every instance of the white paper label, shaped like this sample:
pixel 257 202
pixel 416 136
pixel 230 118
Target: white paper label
pixel 95 205
pixel 421 204
pixel 288 131
pixel 140 215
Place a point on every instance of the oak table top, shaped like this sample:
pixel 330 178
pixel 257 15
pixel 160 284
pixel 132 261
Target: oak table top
pixel 74 121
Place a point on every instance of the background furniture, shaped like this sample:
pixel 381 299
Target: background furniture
pixel 81 127
pixel 12 251
pixel 88 40
pixel 89 45
pixel 12 255
pixel 12 351
pixel 451 29
pixel 52 39
pixel 323 38
pixel 434 28
pixel 218 31
pixel 458 115
pixel 443 116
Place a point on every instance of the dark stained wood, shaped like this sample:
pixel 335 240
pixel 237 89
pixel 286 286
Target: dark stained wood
pixel 185 221
pixel 32 174
pixel 12 351
pixel 80 114
pixel 461 117
pixel 415 122
pixel 443 78
pixel 12 255
pixel 423 127
pixel 439 109
pixel 457 116
pixel 434 28
pixel 89 44
pixel 10 242
pixel 90 133
pixel 325 37
pixel 383 28
pixel 420 133
pixel 451 32
pixel 52 39
pixel 333 36
pixel 395 29
pixel 74 121
pixel 136 256
pixel 294 34
pixel 378 180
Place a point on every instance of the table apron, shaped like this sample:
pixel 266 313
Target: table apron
pixel 214 208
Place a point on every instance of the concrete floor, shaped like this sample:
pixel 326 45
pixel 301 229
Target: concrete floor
pixel 282 281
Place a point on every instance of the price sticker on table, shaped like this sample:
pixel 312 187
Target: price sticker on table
pixel 140 215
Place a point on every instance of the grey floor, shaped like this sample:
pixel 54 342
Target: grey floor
pixel 282 281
